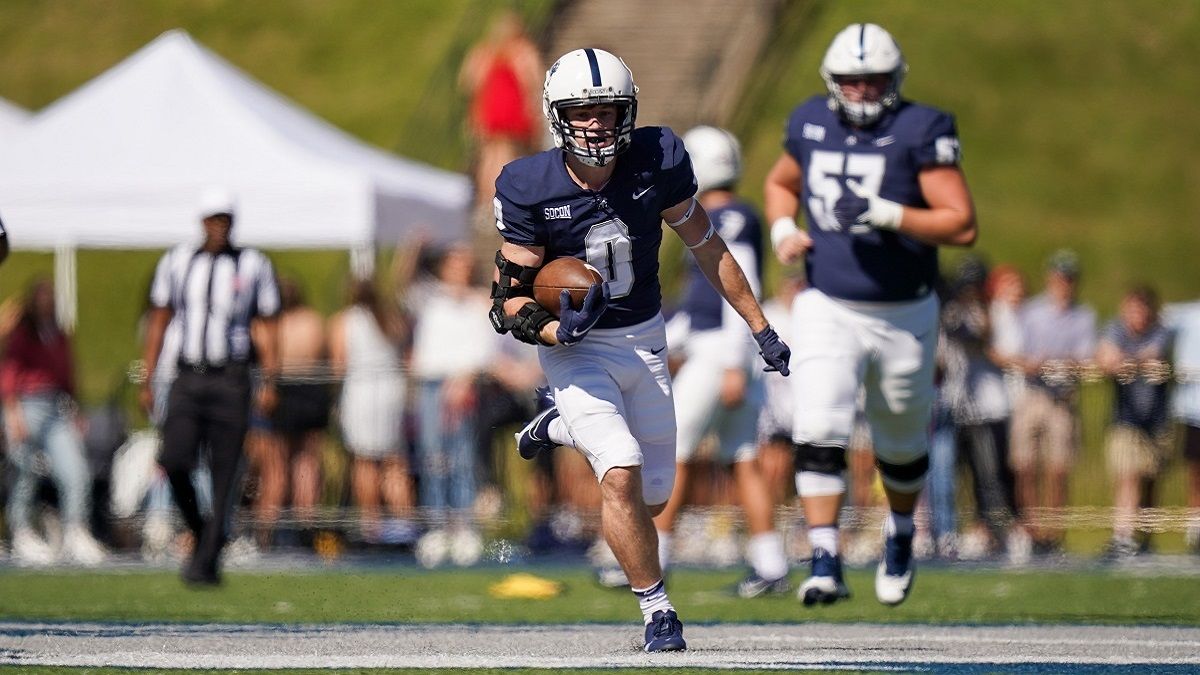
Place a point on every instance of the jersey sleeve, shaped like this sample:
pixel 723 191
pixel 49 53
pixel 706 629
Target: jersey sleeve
pixel 939 144
pixel 791 135
pixel 678 179
pixel 515 220
pixel 161 295
pixel 266 298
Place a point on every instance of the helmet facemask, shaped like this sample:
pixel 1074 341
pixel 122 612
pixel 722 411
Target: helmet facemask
pixel 863 50
pixel 582 141
pixel 863 113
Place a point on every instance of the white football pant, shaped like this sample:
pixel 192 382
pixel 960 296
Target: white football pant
pixel 889 348
pixel 614 394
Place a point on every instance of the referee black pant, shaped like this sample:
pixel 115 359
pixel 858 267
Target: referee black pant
pixel 209 408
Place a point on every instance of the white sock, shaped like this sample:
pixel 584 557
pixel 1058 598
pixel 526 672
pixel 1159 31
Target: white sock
pixel 652 600
pixel 899 524
pixel 559 433
pixel 664 549
pixel 765 554
pixel 825 537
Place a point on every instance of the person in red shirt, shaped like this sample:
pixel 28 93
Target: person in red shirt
pixel 503 77
pixel 37 383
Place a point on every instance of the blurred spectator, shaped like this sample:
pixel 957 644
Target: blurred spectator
pixel 1005 293
pixel 1185 320
pixel 973 424
pixel 217 291
pixel 37 382
pixel 502 74
pixel 366 346
pixel 1134 350
pixel 453 343
pixel 291 454
pixel 1058 338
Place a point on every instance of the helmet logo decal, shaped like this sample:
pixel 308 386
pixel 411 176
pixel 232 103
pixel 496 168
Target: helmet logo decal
pixel 862 42
pixel 595 65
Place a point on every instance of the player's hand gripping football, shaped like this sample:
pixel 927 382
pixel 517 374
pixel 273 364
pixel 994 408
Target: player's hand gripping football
pixel 774 351
pixel 574 324
pixel 869 209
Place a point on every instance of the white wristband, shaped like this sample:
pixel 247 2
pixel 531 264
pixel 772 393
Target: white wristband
pixel 781 229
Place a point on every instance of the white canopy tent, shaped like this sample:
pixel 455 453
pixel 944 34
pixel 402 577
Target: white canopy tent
pixel 12 121
pixel 121 162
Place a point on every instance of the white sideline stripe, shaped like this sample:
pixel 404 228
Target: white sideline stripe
pixel 799 646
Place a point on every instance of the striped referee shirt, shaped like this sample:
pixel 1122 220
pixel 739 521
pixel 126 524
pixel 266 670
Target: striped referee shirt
pixel 213 298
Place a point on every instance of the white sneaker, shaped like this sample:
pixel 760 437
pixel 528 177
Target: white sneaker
pixel 80 547
pixel 157 535
pixel 466 547
pixel 1019 546
pixel 432 548
pixel 29 550
pixel 241 552
pixel 894 576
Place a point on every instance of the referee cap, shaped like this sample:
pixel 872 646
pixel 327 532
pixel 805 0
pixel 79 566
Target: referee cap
pixel 216 201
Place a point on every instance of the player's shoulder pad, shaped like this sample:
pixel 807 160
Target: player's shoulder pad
pixel 919 116
pixel 812 109
pixel 521 179
pixel 659 147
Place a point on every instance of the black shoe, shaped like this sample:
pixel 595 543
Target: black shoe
pixel 200 576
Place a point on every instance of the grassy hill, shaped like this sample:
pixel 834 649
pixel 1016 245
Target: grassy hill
pixel 1074 115
pixel 384 71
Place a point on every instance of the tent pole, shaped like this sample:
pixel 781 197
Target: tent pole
pixel 362 261
pixel 66 296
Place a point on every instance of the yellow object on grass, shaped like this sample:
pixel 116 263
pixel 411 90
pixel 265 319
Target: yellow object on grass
pixel 525 587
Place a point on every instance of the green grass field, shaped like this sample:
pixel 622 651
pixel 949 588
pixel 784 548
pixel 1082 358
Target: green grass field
pixel 941 595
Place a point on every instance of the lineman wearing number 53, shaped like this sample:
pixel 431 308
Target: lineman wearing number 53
pixel 602 195
pixel 878 178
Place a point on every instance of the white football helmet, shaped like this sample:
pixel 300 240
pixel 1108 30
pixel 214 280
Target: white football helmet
pixel 716 157
pixel 590 77
pixel 863 49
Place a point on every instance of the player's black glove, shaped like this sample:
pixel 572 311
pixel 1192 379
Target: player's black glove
pixel 773 350
pixel 574 324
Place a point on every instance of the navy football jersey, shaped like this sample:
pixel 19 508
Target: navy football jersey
pixel 853 261
pixel 741 228
pixel 617 229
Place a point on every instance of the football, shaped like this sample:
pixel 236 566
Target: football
pixel 567 273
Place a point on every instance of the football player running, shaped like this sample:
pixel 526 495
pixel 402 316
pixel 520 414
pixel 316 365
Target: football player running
pixel 601 195
pixel 880 183
pixel 716 389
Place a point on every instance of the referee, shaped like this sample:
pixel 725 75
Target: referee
pixel 214 292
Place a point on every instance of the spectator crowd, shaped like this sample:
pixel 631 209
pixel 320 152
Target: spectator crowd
pixel 394 424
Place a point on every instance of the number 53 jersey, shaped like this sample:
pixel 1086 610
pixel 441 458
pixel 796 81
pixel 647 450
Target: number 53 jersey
pixel 853 261
pixel 616 229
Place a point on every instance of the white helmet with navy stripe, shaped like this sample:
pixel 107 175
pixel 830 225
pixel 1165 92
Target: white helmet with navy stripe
pixel 716 157
pixel 590 77
pixel 863 49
